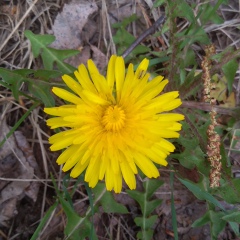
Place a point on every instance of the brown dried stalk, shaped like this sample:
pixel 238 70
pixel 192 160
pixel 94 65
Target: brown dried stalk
pixel 146 33
pixel 213 145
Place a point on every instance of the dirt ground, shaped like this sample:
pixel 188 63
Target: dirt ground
pixel 26 155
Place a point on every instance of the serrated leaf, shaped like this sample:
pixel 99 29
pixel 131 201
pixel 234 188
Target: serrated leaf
pixel 37 82
pixel 137 196
pixel 49 55
pixel 14 78
pixel 201 194
pixel 43 40
pixel 152 205
pixel 147 205
pixel 77 228
pixel 149 222
pixel 229 70
pixel 146 235
pixel 151 185
pixel 105 198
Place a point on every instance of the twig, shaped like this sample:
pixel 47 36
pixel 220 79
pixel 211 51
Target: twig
pixel 234 112
pixel 148 32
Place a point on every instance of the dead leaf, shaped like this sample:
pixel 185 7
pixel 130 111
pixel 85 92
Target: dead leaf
pixel 32 190
pixel 14 165
pixel 8 210
pixel 230 102
pixel 220 91
pixel 80 58
pixel 69 23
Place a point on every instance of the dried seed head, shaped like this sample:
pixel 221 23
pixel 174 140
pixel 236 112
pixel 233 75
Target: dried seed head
pixel 213 145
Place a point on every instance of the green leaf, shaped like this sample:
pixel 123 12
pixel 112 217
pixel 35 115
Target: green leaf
pixel 146 235
pixel 147 206
pixel 202 220
pixel 158 3
pixel 14 79
pixel 235 228
pixel 123 38
pixel 38 82
pixel 192 155
pixel 209 12
pixel 184 10
pixel 217 224
pixel 189 58
pixel 230 69
pixel 43 92
pixel 192 35
pixel 232 217
pixel 13 76
pixel 151 186
pixel 43 40
pixel 140 49
pixel 149 222
pixel 125 22
pixel 45 75
pixel 182 75
pixel 77 228
pixel 49 55
pixel 201 194
pixel 105 198
pixel 215 219
pixel 229 191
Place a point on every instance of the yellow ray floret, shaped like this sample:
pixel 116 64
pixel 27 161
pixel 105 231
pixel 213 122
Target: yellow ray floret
pixel 116 124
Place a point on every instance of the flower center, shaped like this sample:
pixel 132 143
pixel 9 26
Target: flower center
pixel 113 118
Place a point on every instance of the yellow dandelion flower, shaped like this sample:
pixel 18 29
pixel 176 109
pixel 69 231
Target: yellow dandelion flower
pixel 116 125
